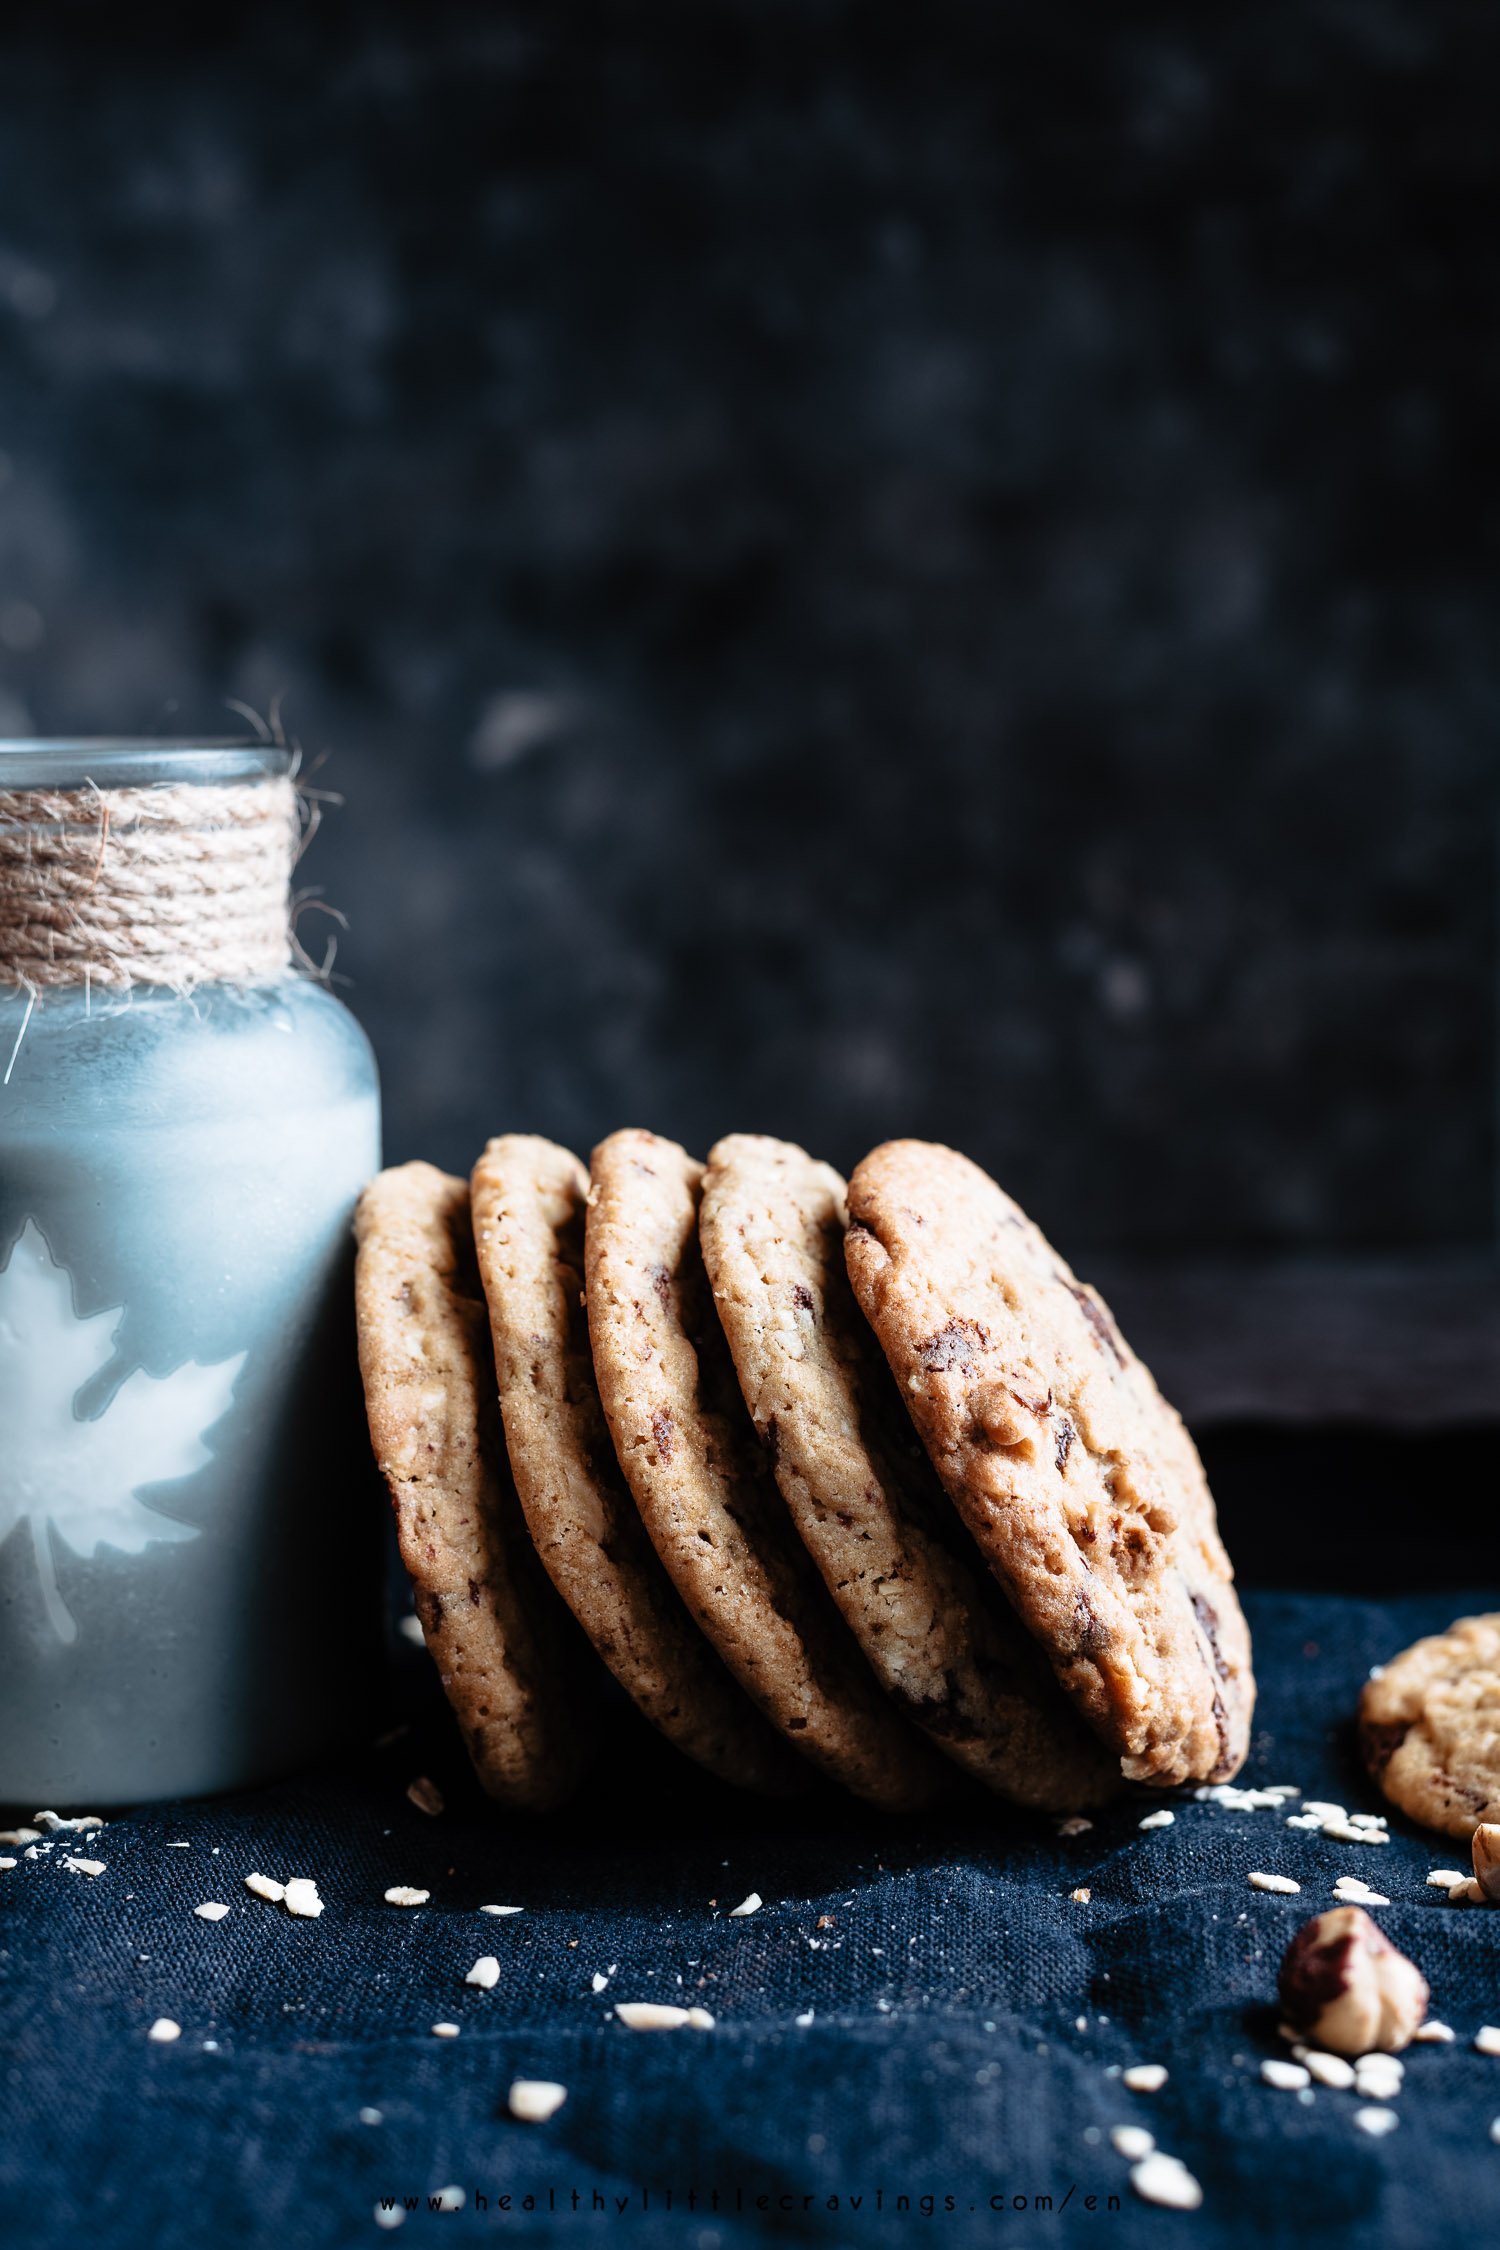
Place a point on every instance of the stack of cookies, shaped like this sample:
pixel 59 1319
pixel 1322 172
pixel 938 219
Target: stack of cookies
pixel 853 1481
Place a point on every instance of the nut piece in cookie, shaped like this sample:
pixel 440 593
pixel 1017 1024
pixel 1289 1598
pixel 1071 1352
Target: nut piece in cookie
pixel 1347 1988
pixel 861 1492
pixel 529 1199
pixel 1080 1485
pixel 489 1617
pixel 686 1445
pixel 1429 1727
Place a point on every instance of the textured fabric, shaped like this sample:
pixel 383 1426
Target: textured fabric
pixel 945 2058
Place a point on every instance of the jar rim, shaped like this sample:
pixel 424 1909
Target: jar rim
pixel 123 761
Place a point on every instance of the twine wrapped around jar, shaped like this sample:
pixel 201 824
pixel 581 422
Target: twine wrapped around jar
pixel 174 885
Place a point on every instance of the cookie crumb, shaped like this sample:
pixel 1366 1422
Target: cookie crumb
pixel 485 1973
pixel 750 1904
pixel 402 1894
pixel 425 1795
pixel 534 2100
pixel 1144 2078
pixel 1165 2180
pixel 1081 1896
pixel 164 2031
pixel 212 1910
pixel 1132 2141
pixel 1281 1883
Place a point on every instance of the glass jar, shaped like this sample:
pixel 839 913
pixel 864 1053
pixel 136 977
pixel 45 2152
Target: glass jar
pixel 190 1547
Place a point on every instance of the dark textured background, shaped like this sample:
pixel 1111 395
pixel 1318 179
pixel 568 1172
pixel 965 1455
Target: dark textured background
pixel 861 569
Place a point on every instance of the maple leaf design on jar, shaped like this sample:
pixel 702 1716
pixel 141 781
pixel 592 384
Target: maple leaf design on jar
pixel 82 1454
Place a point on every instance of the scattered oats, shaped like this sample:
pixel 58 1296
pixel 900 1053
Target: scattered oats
pixel 1133 2141
pixel 598 1983
pixel 1287 2076
pixel 1432 2033
pixel 371 2117
pixel 212 1910
pixel 1487 2040
pixel 445 2031
pixel 485 1973
pixel 1162 1819
pixel 1074 1825
pixel 1352 1890
pixel 410 1629
pixel 748 1905
pixel 1081 1896
pixel 20 1835
pixel 450 2199
pixel 1368 1820
pixel 1345 1832
pixel 534 2100
pixel 1282 1789
pixel 1376 2121
pixel 1282 1883
pixel 650 2015
pixel 1144 2078
pixel 181 1845
pixel 1495 2130
pixel 425 1795
pixel 7 1863
pixel 804 2019
pixel 164 2031
pixel 53 1824
pixel 266 1886
pixel 1165 2180
pixel 1466 1893
pixel 1329 2070
pixel 1444 1878
pixel 1323 1810
pixel 1378 2077
pixel 395 2217
pixel 84 1866
pixel 699 2019
pixel 210 2046
pixel 502 1910
pixel 301 1898
pixel 402 1894
pixel 1304 1820
pixel 1080 2023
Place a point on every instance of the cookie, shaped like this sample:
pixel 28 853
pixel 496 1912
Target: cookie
pixel 702 1486
pixel 1080 1485
pixel 489 1616
pixel 861 1492
pixel 528 1198
pixel 1429 1727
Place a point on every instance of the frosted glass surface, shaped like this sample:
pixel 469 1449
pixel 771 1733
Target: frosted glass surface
pixel 189 1541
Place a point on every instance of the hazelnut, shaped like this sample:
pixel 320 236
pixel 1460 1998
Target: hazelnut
pixel 1346 1987
pixel 1487 1859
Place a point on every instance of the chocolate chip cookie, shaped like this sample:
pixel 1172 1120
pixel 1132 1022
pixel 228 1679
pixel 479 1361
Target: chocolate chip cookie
pixel 701 1484
pixel 861 1492
pixel 1079 1483
pixel 528 1198
pixel 1429 1727
pixel 489 1617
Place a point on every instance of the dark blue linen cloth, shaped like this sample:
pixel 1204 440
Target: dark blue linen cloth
pixel 968 2018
